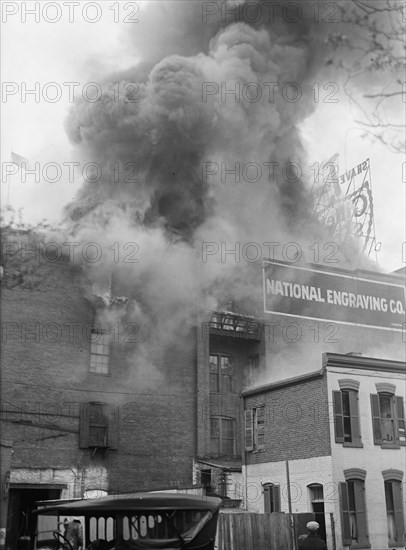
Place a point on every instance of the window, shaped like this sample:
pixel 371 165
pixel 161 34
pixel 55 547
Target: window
pixel 394 506
pixel 222 436
pixel 99 351
pixel 346 417
pixel 388 420
pixel 353 512
pixel 98 426
pixel 272 498
pixel 255 429
pixel 221 374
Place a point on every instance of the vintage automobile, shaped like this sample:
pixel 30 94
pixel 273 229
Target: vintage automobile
pixel 138 521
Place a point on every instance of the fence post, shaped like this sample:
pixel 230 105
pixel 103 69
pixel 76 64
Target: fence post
pixel 333 530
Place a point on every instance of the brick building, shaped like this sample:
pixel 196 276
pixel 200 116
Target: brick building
pixel 75 416
pixel 332 442
pixel 80 414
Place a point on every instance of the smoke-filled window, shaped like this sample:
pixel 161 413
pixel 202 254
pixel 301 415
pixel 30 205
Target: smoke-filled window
pixel 99 351
pixel 221 374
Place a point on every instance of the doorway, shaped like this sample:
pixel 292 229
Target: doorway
pixel 317 504
pixel 20 522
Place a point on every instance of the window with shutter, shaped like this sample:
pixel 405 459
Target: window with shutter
pixel 376 419
pixel 353 514
pixel 394 512
pixel 346 418
pixel 272 498
pixel 361 513
pixel 338 417
pixel 98 426
pixel 400 420
pixel 345 514
pixel 388 420
pixel 259 428
pixel 249 430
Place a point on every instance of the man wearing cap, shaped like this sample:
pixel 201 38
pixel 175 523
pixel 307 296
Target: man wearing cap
pixel 74 534
pixel 313 541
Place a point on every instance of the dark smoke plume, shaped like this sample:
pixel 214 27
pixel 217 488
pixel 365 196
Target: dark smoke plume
pixel 160 138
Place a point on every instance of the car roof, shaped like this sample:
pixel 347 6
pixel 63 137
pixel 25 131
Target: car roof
pixel 134 501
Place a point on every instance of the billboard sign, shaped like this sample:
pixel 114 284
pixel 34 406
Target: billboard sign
pixel 348 297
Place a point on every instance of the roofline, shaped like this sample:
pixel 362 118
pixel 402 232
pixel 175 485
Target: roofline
pixel 286 382
pixel 373 275
pixel 222 467
pixel 363 363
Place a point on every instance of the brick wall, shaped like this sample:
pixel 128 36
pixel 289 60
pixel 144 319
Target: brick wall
pixel 45 377
pixel 295 424
pixel 220 404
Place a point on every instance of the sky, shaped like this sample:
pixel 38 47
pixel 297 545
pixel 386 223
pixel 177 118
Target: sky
pixel 75 52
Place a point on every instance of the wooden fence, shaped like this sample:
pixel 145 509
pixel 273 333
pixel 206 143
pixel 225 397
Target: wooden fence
pixel 244 531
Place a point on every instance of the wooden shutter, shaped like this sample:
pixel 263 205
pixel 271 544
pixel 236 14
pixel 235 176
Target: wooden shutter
pixel 359 493
pixel 267 499
pixel 376 419
pixel 249 430
pixel 400 420
pixel 398 506
pixel 277 498
pixel 345 514
pixel 338 417
pixel 84 426
pixel 355 428
pixel 113 425
pixel 260 428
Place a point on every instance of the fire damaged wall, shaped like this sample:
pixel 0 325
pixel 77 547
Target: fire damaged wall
pixel 50 394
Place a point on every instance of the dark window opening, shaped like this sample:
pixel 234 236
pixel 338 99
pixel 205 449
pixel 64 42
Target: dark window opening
pixel 221 374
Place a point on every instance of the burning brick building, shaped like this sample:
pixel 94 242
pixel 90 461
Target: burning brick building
pixel 82 413
pixel 123 359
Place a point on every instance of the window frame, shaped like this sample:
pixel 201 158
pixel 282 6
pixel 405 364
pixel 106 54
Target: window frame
pixel 395 486
pixel 221 386
pixel 353 416
pixel 107 418
pixel 272 498
pixel 100 346
pixel 356 484
pixel 397 418
pixel 221 438
pixel 252 430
